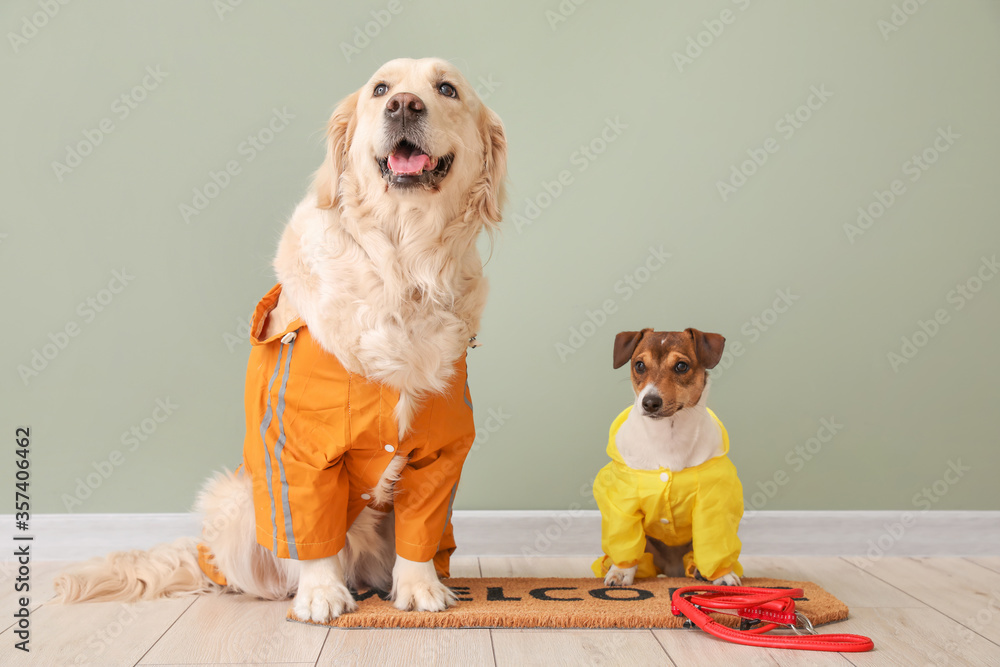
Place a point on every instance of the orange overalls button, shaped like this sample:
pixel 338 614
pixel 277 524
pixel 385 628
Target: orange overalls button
pixel 390 448
pixel 288 337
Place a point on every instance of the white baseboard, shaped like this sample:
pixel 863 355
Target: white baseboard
pixel 578 533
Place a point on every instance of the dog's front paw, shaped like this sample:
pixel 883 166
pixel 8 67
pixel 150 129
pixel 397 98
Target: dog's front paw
pixel 416 587
pixel 322 594
pixel 323 604
pixel 620 577
pixel 730 579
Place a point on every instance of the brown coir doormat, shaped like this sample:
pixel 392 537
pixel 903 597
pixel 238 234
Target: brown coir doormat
pixel 565 603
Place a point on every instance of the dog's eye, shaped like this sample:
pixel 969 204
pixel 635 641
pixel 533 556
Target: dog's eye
pixel 681 367
pixel 447 90
pixel 640 367
pixel 380 90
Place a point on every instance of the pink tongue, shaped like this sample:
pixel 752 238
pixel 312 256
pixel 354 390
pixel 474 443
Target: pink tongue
pixel 411 164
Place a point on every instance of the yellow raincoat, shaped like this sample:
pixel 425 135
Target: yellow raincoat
pixel 702 505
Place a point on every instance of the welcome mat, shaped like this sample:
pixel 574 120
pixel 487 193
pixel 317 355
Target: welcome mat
pixel 564 603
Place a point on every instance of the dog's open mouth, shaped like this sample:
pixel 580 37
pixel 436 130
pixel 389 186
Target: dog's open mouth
pixel 409 165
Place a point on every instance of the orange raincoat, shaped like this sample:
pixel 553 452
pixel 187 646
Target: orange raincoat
pixel 318 439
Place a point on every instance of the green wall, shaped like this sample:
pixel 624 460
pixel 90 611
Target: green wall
pixel 618 145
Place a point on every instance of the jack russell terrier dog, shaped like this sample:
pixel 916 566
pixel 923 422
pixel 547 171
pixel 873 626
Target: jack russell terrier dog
pixel 670 498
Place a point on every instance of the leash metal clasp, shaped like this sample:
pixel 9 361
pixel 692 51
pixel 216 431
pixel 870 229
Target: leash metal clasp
pixel 801 620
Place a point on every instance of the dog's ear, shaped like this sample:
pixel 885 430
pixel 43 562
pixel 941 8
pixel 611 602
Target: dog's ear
pixel 707 347
pixel 339 133
pixel 490 192
pixel 625 344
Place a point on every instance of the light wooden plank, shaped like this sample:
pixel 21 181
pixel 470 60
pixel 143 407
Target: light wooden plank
pixel 989 562
pixel 42 574
pixel 518 566
pixel 407 647
pixel 244 664
pixel 466 567
pixel 915 637
pixel 696 647
pixel 361 646
pixel 577 647
pixel 236 629
pixel 415 647
pixel 840 578
pixel 964 591
pixel 98 633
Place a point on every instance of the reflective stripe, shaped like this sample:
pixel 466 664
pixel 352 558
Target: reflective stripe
pixel 454 490
pixel 465 395
pixel 263 435
pixel 289 528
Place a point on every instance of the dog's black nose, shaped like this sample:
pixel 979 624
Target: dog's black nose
pixel 652 403
pixel 403 106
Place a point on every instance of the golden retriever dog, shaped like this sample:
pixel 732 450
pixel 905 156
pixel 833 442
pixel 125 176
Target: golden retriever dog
pixel 379 262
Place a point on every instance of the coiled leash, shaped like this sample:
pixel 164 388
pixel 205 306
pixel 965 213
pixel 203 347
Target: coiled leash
pixel 762 610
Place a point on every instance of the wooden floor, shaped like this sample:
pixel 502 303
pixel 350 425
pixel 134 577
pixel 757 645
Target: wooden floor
pixel 919 611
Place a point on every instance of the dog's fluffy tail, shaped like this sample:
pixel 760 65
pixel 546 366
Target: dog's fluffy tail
pixel 166 570
pixel 228 530
pixel 172 570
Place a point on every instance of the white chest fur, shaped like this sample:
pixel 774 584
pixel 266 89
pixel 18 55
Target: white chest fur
pixel 396 301
pixel 685 440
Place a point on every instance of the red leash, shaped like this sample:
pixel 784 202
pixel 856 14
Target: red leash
pixel 764 609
